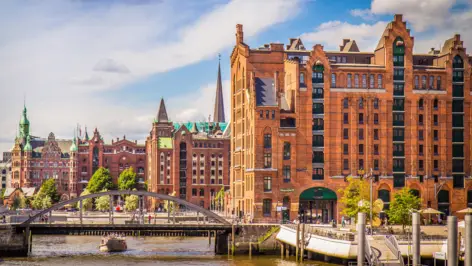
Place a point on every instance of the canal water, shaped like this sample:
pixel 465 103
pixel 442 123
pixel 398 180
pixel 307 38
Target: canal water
pixel 83 251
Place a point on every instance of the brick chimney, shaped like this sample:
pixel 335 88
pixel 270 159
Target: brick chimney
pixel 239 33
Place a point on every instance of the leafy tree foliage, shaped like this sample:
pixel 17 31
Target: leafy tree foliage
pixel 100 180
pixel 127 179
pixel 86 203
pixel 131 203
pixel 46 196
pixel 403 202
pixel 356 198
pixel 47 202
pixel 103 203
pixel 2 193
pixel 49 188
pixel 19 202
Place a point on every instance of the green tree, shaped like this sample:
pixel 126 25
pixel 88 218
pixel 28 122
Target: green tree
pixel 86 203
pixel 37 201
pixel 403 203
pixel 2 193
pixel 220 198
pixel 103 203
pixel 356 198
pixel 100 180
pixel 19 202
pixel 49 188
pixel 131 203
pixel 127 179
pixel 47 202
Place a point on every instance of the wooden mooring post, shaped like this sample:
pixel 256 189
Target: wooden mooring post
pixel 297 242
pixel 302 243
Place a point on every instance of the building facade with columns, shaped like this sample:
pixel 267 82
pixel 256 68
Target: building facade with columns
pixel 303 119
pixel 189 160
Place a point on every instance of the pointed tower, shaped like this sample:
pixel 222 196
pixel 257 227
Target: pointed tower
pixel 194 128
pixel 24 125
pixel 73 169
pixel 162 114
pixel 86 137
pixel 219 112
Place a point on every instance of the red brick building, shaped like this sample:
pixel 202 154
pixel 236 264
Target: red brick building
pixel 303 120
pixel 71 162
pixel 189 159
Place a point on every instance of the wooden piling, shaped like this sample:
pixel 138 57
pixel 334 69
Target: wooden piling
pixel 302 243
pixel 297 242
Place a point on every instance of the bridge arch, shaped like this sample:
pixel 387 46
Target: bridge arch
pixel 129 192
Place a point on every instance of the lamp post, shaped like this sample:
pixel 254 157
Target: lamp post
pixel 361 172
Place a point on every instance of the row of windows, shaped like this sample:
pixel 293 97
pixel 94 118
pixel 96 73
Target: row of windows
pixel 425 84
pixel 360 103
pixel 361 164
pixel 268 114
pixel 360 133
pixel 360 81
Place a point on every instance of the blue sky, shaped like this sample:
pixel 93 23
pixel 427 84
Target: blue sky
pixel 106 64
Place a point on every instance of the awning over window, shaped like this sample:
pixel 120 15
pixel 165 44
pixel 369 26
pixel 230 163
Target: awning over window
pixel 318 193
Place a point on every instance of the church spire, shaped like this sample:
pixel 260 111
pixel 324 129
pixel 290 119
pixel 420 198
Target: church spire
pixel 162 114
pixel 219 112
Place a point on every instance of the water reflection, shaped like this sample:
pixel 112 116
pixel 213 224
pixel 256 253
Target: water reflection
pixel 83 251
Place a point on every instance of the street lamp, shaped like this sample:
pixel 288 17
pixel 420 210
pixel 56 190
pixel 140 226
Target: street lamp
pixel 361 172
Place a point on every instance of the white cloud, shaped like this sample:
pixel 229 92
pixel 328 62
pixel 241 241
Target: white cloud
pixel 422 14
pixel 363 13
pixel 331 34
pixel 51 52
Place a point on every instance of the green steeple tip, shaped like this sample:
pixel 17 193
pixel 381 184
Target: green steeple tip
pixel 73 147
pixel 28 145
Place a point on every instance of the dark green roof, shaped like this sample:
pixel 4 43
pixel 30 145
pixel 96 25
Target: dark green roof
pixel 201 126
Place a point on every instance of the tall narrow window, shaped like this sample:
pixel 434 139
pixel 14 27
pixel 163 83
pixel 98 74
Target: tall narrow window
pixel 376 119
pixel 420 104
pixel 345 118
pixel 267 184
pixel 267 141
pixel 346 133
pixel 345 149
pixel 345 103
pixel 361 103
pixel 349 80
pixel 267 160
pixel 417 82
pixel 438 83
pixel 423 82
pixel 356 80
pixel 431 82
pixel 361 133
pixel 266 207
pixel 435 104
pixel 286 173
pixel 361 118
pixel 333 80
pixel 361 148
pixel 376 103
pixel 364 81
pixel 372 81
pixel 346 164
pixel 302 78
pixel 287 151
pixel 379 81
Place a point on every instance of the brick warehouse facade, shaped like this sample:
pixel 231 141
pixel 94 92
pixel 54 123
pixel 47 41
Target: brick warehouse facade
pixel 71 162
pixel 189 160
pixel 302 121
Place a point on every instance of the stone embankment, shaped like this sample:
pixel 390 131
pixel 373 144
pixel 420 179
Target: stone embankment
pixel 11 243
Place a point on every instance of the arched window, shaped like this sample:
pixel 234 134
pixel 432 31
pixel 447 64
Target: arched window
pixel 436 104
pixel 372 81
pixel 457 62
pixel 420 104
pixel 364 81
pixel 333 80
pixel 379 82
pixel 267 141
pixel 431 82
pixel 361 103
pixel 398 52
pixel 415 192
pixel 423 82
pixel 417 82
pixel 302 78
pixel 345 103
pixel 349 80
pixel 438 83
pixel 384 195
pixel 356 80
pixel 287 154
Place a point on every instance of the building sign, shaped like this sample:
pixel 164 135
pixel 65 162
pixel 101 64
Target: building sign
pixel 287 190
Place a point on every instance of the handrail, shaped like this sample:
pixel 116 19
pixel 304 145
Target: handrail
pixel 392 244
pixel 367 248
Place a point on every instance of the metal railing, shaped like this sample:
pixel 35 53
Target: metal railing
pixel 392 244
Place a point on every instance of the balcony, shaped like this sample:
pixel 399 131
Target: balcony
pixel 457 79
pixel 398 123
pixel 318 109
pixel 317 80
pixel 318 94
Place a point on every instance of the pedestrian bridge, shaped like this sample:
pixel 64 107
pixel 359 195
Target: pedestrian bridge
pixel 211 216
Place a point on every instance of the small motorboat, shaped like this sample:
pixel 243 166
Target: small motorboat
pixel 113 244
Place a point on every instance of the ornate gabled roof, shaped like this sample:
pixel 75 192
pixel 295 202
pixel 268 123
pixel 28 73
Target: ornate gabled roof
pixel 201 126
pixel 162 114
pixel 219 112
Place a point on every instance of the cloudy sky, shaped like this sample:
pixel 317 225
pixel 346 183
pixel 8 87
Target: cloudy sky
pixel 107 63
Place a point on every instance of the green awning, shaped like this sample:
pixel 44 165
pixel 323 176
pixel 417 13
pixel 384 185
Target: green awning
pixel 318 193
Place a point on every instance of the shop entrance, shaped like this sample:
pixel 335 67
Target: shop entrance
pixel 317 205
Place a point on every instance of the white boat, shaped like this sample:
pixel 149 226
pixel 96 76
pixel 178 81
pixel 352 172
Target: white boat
pixel 113 244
